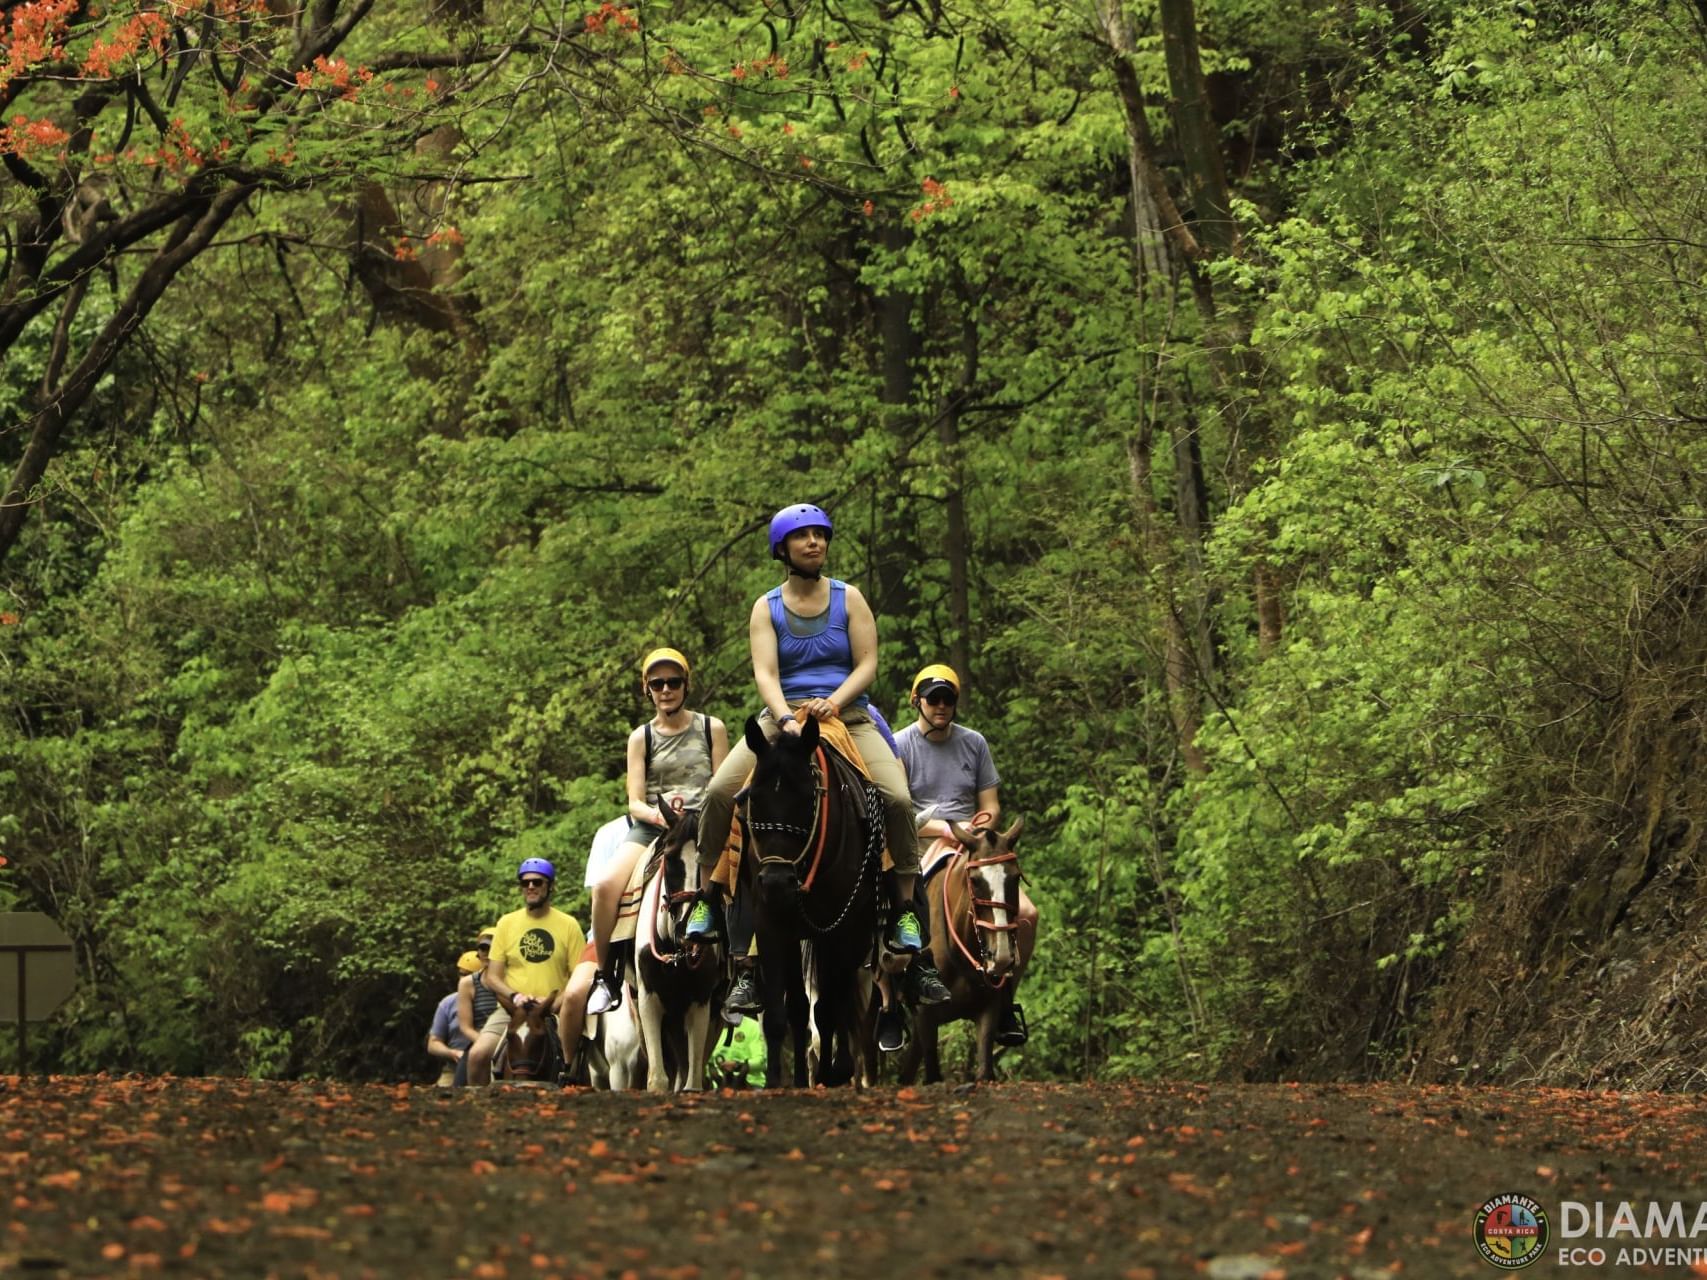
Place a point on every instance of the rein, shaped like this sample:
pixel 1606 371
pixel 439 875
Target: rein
pixel 873 854
pixel 660 905
pixel 820 824
pixel 979 927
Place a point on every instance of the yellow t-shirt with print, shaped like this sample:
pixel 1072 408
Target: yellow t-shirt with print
pixel 538 951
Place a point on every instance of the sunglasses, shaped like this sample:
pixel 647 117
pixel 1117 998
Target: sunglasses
pixel 942 698
pixel 482 946
pixel 665 682
pixel 535 884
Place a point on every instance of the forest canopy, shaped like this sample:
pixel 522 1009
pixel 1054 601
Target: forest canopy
pixel 1287 418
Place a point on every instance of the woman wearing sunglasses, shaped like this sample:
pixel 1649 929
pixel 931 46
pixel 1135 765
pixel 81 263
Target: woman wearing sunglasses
pixel 672 754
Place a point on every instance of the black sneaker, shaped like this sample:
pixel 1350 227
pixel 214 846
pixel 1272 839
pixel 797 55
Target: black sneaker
pixel 744 996
pixel 1013 1031
pixel 891 1030
pixel 926 983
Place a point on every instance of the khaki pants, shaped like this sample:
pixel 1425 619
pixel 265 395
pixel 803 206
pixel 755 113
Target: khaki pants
pixel 717 806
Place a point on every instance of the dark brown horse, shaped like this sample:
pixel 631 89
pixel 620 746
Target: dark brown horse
pixel 678 983
pixel 814 829
pixel 974 941
pixel 531 1053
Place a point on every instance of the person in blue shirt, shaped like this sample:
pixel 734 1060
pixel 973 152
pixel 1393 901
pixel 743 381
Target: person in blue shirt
pixel 445 1041
pixel 814 648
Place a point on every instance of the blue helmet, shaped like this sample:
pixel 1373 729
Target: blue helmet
pixel 538 867
pixel 802 515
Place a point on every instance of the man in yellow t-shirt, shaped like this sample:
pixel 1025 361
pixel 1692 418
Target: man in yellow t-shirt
pixel 533 952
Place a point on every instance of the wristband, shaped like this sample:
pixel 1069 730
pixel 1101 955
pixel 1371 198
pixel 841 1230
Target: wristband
pixel 785 718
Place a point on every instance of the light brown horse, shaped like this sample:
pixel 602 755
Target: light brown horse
pixel 974 903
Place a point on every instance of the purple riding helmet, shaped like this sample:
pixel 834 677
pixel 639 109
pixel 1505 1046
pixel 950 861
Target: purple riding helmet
pixel 802 515
pixel 538 867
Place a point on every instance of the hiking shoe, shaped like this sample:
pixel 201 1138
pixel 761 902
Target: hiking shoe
pixel 1013 1031
pixel 926 983
pixel 604 996
pixel 891 1030
pixel 905 935
pixel 744 996
pixel 701 922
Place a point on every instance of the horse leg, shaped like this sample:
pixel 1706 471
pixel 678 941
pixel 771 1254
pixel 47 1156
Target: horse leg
pixel 775 1017
pixel 871 1061
pixel 698 1023
pixel 824 1022
pixel 651 1011
pixel 989 1017
pixel 798 1014
pixel 926 1029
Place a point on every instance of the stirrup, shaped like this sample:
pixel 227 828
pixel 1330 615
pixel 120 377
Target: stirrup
pixel 1013 1031
pixel 891 1029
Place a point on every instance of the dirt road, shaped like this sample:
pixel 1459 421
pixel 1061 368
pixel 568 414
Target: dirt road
pixel 234 1178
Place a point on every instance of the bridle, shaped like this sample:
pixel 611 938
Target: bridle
pixel 671 907
pixel 980 927
pixel 816 837
pixel 820 825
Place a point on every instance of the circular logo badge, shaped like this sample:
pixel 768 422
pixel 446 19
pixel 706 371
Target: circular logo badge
pixel 536 945
pixel 1511 1231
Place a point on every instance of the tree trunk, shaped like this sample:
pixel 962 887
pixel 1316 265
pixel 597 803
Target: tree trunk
pixel 1199 142
pixel 1229 329
pixel 957 540
pixel 1160 253
pixel 899 344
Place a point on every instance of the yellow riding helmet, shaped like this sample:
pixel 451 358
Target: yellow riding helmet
pixel 470 962
pixel 664 655
pixel 935 672
pixel 486 934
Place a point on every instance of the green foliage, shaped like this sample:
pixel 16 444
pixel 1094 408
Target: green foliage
pixel 330 617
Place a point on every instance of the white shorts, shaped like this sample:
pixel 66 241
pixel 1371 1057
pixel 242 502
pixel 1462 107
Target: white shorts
pixel 605 844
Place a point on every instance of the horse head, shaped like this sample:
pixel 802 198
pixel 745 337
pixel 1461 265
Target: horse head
pixel 782 807
pixel 528 1045
pixel 993 876
pixel 678 868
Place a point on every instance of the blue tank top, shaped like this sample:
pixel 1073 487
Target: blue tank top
pixel 814 666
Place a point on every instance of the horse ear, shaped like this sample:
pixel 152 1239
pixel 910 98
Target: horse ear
pixel 966 835
pixel 809 732
pixel 756 740
pixel 1010 837
pixel 667 810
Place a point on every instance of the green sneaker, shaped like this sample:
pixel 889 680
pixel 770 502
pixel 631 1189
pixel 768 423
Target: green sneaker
pixel 701 923
pixel 905 936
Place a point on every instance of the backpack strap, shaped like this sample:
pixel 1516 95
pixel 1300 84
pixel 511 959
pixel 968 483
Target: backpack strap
pixel 706 720
pixel 648 727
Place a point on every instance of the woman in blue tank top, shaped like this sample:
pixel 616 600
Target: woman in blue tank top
pixel 814 647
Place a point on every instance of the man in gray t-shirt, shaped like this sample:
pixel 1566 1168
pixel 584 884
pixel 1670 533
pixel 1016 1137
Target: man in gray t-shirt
pixel 949 766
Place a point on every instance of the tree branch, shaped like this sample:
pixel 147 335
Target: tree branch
pixel 193 233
